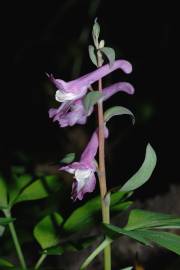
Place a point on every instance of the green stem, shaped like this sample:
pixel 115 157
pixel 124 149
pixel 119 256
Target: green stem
pixel 102 172
pixel 20 255
pixel 40 261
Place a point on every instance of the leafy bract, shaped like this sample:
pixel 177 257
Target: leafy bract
pixel 91 99
pixel 92 55
pixel 110 54
pixel 118 110
pixel 144 173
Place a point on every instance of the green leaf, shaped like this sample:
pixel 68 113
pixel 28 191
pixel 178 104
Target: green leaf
pixel 91 99
pixel 5 263
pixel 71 246
pixel 121 206
pixel 2 230
pixel 140 219
pixel 166 240
pixel 5 221
pixel 16 187
pixel 115 232
pixel 3 193
pixel 99 249
pixel 39 189
pixel 83 216
pixel 46 231
pixel 86 215
pixel 147 237
pixel 110 54
pixel 144 173
pixel 92 55
pixel 68 158
pixel 118 110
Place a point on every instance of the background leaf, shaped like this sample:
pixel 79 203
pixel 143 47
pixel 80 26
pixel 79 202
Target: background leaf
pixel 46 231
pixel 3 193
pixel 39 189
pixel 144 173
pixel 68 158
pixel 91 99
pixel 118 110
pixel 110 54
pixel 5 263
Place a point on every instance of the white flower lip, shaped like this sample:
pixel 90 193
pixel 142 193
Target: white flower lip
pixel 82 174
pixel 62 96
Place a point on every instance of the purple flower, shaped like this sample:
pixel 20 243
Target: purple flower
pixel 73 90
pixel 73 112
pixel 84 178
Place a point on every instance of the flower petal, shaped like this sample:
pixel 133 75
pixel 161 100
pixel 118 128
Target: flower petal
pixel 90 150
pixel 117 87
pixel 79 191
pixel 87 80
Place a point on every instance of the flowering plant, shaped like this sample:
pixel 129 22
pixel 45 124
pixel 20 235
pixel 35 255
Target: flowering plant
pixel 78 100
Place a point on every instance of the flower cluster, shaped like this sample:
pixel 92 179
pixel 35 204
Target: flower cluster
pixel 72 111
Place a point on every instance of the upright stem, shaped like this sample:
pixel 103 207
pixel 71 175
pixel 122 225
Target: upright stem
pixel 20 255
pixel 40 261
pixel 102 172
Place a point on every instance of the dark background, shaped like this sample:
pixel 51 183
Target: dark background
pixel 53 37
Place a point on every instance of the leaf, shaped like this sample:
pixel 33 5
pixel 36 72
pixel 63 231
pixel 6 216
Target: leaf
pixel 39 189
pixel 68 158
pixel 110 54
pixel 3 193
pixel 140 219
pixel 121 206
pixel 92 55
pixel 166 240
pixel 2 230
pixel 91 99
pixel 99 249
pixel 18 184
pixel 148 237
pixel 5 221
pixel 5 263
pixel 46 231
pixel 71 246
pixel 144 173
pixel 115 232
pixel 85 215
pixel 118 110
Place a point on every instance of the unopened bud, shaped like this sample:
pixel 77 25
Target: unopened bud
pixel 101 44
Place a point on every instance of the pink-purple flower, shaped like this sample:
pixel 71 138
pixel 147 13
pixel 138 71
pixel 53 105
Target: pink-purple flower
pixel 83 171
pixel 73 112
pixel 76 89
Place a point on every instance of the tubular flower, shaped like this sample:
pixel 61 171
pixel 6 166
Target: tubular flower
pixel 73 90
pixel 84 178
pixel 73 112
